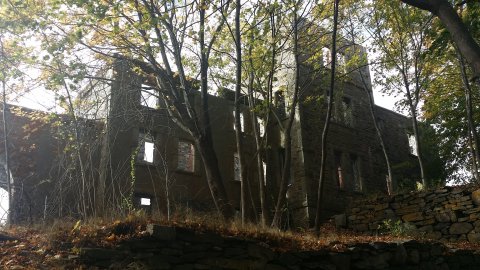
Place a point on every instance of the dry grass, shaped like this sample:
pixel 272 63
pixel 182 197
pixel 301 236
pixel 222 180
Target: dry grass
pixel 44 246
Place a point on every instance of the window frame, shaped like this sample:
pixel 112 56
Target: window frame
pixel 147 94
pixel 242 121
pixel 192 154
pixel 144 138
pixel 237 177
pixel 412 144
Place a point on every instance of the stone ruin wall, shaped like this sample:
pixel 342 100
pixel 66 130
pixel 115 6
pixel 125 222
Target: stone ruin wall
pixel 446 214
pixel 164 247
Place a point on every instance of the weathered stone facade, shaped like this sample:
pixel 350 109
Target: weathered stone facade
pixel 355 163
pixel 45 176
pixel 447 214
pixel 145 155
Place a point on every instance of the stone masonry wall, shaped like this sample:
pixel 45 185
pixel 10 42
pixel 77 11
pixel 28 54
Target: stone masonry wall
pixel 179 248
pixel 447 214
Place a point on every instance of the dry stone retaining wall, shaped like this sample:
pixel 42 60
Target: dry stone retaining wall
pixel 179 248
pixel 448 214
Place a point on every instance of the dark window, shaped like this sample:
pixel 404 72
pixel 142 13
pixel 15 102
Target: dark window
pixel 338 170
pixel 343 112
pixel 237 171
pixel 280 104
pixel 356 175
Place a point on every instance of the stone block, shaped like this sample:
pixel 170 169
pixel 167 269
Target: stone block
pixel 476 197
pixel 382 206
pixel 360 227
pixel 413 217
pixel 476 224
pixel 434 235
pixel 426 221
pixel 471 211
pixel 427 228
pixel 417 201
pixel 340 221
pixel 160 232
pixel 474 216
pixel 463 219
pixel 460 228
pixel 473 237
pixel 395 205
pixel 388 213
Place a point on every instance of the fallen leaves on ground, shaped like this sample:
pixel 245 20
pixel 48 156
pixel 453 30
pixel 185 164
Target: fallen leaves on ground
pixel 58 247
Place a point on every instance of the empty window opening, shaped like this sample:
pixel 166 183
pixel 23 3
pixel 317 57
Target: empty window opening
pixel 412 144
pixel 186 156
pixel 261 126
pixel 241 121
pixel 347 111
pixel 148 97
pixel 264 167
pixel 343 112
pixel 280 104
pixel 341 62
pixel 145 201
pixel 146 147
pixel 338 170
pixel 237 170
pixel 357 180
pixel 326 57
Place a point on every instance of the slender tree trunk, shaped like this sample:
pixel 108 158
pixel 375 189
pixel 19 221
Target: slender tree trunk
pixel 7 157
pixel 416 134
pixel 213 175
pixel 288 130
pixel 371 105
pixel 258 142
pixel 204 141
pixel 473 135
pixel 474 158
pixel 238 124
pixel 326 126
pixel 84 191
pixel 467 45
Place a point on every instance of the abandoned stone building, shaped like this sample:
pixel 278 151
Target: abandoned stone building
pixel 169 173
pixel 141 153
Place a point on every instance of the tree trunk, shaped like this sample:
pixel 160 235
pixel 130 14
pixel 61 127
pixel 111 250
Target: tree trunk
pixel 474 141
pixel 419 145
pixel 288 130
pixel 371 105
pixel 258 144
pixel 7 157
pixel 214 177
pixel 468 47
pixel 326 125
pixel 204 140
pixel 238 124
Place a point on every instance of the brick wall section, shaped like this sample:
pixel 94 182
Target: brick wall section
pixel 447 214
